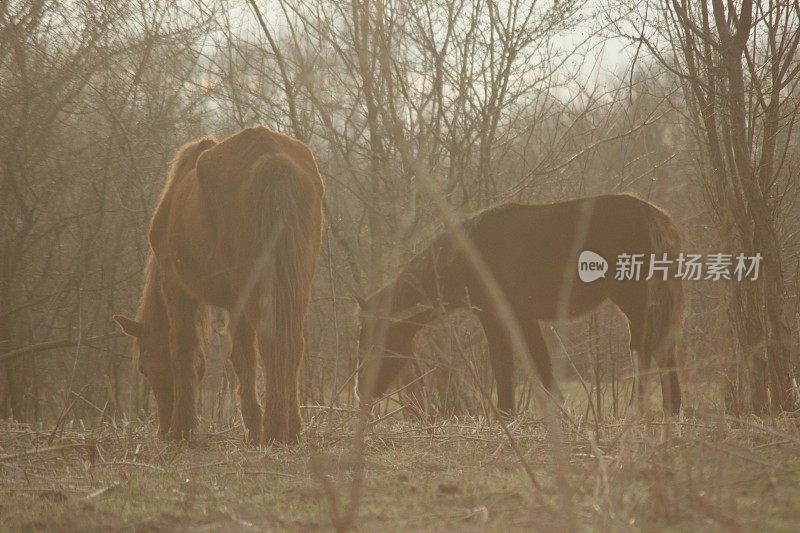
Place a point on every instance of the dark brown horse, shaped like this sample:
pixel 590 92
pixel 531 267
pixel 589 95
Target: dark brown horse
pixel 532 252
pixel 238 227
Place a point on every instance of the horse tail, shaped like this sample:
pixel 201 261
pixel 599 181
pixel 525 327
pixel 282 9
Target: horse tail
pixel 289 233
pixel 286 229
pixel 665 308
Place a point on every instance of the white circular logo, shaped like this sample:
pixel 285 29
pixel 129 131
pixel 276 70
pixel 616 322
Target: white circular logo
pixel 591 266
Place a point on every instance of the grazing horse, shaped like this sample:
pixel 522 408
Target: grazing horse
pixel 532 253
pixel 238 227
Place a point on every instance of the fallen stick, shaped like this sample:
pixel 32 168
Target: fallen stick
pixel 38 451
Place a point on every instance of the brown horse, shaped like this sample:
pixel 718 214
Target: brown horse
pixel 238 227
pixel 532 252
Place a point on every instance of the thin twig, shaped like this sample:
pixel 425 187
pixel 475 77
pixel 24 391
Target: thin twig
pixel 38 451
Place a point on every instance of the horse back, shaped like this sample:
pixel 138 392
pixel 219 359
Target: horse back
pixel 213 217
pixel 533 250
pixel 239 179
pixel 227 169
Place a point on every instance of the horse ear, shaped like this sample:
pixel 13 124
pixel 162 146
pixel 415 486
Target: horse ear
pixel 129 326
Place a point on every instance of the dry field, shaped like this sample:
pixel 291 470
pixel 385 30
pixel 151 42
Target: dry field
pixel 559 473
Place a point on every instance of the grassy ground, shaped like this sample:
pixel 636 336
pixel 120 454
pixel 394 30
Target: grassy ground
pixel 704 473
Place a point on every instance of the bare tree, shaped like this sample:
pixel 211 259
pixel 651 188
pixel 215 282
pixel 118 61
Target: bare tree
pixel 739 69
pixel 93 95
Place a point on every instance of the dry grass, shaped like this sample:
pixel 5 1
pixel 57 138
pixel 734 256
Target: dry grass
pixel 705 472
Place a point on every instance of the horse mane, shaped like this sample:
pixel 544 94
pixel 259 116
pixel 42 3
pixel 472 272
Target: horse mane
pixel 418 265
pixel 185 159
pixel 151 307
pixel 187 154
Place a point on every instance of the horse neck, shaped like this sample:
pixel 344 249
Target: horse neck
pixel 151 307
pixel 402 297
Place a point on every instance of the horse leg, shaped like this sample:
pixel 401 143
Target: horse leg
pixel 163 390
pixel 641 358
pixel 157 369
pixel 633 303
pixel 540 355
pixel 502 362
pixel 243 357
pixel 186 364
pixel 670 386
pixel 660 339
pixel 281 358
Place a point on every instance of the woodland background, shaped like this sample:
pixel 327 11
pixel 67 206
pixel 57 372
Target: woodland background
pixel 691 105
